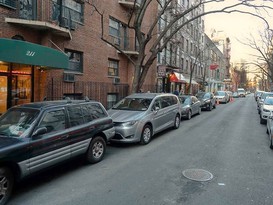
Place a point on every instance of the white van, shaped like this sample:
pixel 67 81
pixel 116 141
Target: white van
pixel 241 92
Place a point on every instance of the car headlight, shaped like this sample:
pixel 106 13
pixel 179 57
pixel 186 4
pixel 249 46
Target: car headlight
pixel 130 123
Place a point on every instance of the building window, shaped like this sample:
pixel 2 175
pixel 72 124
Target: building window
pixel 8 3
pixel 70 11
pixel 119 33
pixel 28 9
pixel 113 66
pixel 75 61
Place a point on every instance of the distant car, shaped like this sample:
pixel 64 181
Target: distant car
pixel 222 96
pixel 39 135
pixel 235 95
pixel 241 92
pixel 139 116
pixel 190 106
pixel 266 109
pixel 207 99
pixel 229 95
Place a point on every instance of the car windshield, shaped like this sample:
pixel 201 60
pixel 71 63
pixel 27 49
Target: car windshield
pixel 268 101
pixel 200 95
pixel 135 104
pixel 220 93
pixel 185 100
pixel 17 122
pixel 264 95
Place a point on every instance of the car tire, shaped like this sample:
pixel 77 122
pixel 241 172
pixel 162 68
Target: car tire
pixel 6 184
pixel 189 115
pixel 214 106
pixel 270 142
pixel 199 111
pixel 96 150
pixel 262 121
pixel 177 122
pixel 146 135
pixel 210 107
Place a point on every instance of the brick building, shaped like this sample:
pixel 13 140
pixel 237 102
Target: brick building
pixel 53 48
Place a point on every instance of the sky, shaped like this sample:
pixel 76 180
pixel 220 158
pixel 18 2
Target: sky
pixel 238 27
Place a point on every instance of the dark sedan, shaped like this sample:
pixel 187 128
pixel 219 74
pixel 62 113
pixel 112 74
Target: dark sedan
pixel 207 99
pixel 190 106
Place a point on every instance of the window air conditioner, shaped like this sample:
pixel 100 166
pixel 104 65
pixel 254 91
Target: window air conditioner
pixel 116 80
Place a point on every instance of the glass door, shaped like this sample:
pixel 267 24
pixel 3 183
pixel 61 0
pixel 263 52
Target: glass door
pixel 3 93
pixel 20 85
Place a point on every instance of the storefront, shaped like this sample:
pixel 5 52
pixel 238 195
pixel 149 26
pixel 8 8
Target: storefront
pixel 19 61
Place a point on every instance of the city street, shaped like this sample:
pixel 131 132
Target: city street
pixel 229 142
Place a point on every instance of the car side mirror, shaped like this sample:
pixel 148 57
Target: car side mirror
pixel 156 109
pixel 40 131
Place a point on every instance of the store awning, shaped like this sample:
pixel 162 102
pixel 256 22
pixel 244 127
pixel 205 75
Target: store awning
pixel 16 51
pixel 177 77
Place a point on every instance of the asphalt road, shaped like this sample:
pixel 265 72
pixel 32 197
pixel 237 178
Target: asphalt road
pixel 228 142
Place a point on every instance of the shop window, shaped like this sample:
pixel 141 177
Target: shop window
pixel 75 61
pixel 8 3
pixel 113 66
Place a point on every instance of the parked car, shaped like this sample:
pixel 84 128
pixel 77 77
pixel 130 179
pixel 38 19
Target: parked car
pixel 235 95
pixel 190 106
pixel 39 135
pixel 139 116
pixel 229 95
pixel 221 96
pixel 207 99
pixel 269 129
pixel 266 109
pixel 241 92
pixel 262 98
pixel 257 94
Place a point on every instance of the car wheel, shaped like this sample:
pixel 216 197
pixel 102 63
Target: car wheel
pixel 146 135
pixel 176 122
pixel 270 142
pixel 210 107
pixel 262 121
pixel 6 184
pixel 96 150
pixel 214 106
pixel 189 115
pixel 199 111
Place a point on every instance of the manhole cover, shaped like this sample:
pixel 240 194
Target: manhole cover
pixel 197 174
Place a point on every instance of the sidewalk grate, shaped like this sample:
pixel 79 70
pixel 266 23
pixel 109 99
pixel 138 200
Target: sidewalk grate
pixel 197 175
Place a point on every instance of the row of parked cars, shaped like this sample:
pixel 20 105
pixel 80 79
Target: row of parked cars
pixel 39 135
pixel 265 110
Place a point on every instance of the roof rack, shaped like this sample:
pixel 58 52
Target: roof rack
pixel 68 99
pixel 86 99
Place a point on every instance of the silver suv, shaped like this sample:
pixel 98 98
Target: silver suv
pixel 139 116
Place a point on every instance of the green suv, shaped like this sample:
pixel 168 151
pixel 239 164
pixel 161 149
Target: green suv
pixel 39 135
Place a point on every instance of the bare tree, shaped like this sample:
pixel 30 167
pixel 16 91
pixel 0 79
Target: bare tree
pixel 156 40
pixel 263 47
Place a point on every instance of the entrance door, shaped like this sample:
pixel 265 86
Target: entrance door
pixel 3 94
pixel 21 89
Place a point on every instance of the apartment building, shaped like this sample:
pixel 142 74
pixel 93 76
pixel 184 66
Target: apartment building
pixel 54 48
pixel 183 56
pixel 215 62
